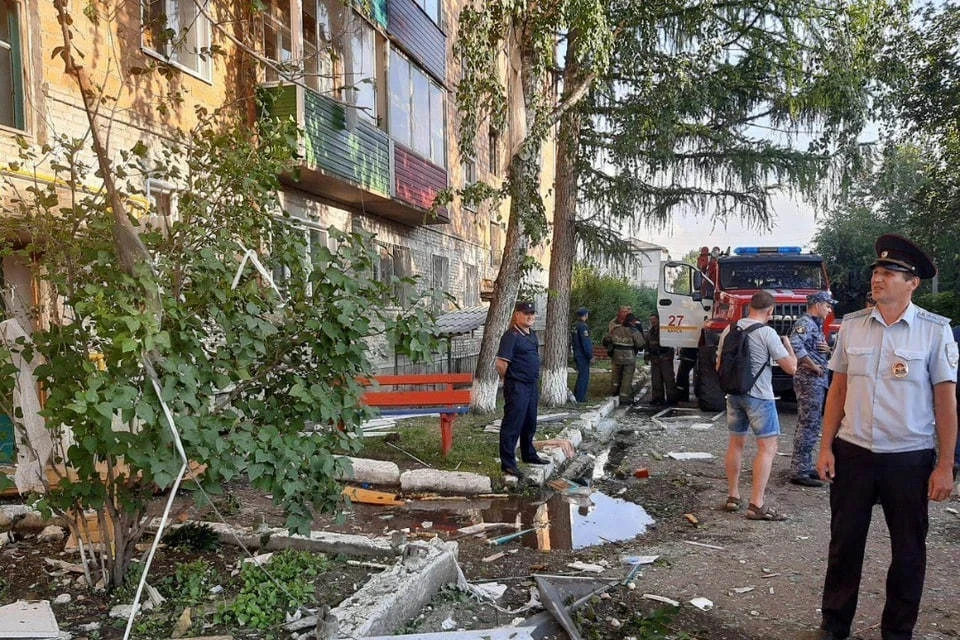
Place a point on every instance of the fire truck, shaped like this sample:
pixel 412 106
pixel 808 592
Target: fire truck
pixel 694 309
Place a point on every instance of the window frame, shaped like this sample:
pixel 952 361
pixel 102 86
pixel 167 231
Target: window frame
pixel 201 30
pixel 18 76
pixel 438 155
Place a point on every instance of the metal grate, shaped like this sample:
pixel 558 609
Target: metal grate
pixel 784 315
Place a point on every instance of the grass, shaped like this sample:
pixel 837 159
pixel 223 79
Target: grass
pixel 474 450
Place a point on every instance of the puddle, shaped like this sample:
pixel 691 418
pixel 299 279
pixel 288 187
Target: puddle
pixel 565 521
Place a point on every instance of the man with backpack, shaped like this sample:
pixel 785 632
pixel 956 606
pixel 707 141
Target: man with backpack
pixel 743 365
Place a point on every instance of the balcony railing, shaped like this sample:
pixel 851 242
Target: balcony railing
pixel 355 163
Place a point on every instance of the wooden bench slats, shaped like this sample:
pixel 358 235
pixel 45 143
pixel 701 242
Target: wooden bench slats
pixel 416 398
pixel 448 379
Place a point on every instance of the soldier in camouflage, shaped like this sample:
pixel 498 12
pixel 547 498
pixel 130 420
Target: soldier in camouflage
pixel 810 386
pixel 623 342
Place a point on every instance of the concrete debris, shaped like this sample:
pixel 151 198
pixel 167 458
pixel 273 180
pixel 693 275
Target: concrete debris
pixel 586 566
pixel 51 533
pixel 276 539
pixel 500 633
pixel 690 455
pixel 121 611
pixel 566 446
pixel 742 589
pixel 391 598
pixel 491 590
pixel 702 603
pixel 448 624
pixel 663 599
pixel 459 482
pixel 62 565
pixel 638 559
pixel 259 560
pixel 703 544
pixel 378 472
pixel 28 619
pixel 600 463
pixel 63 598
pixel 495 556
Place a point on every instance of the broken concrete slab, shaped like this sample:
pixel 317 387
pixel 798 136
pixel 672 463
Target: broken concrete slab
pixel 28 619
pixel 372 471
pixel 391 598
pixel 278 538
pixel 447 481
pixel 500 633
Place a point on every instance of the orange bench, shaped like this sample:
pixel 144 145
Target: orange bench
pixel 448 394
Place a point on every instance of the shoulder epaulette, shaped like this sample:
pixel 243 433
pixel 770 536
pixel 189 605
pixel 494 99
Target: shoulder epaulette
pixel 932 317
pixel 856 314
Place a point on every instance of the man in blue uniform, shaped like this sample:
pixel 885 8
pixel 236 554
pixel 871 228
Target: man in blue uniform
pixel 518 363
pixel 582 354
pixel 890 404
pixel 810 384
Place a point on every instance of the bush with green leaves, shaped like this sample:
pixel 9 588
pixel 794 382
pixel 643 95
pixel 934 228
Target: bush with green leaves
pixel 245 369
pixel 267 593
pixel 603 295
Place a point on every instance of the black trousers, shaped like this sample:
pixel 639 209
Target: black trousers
pixel 899 481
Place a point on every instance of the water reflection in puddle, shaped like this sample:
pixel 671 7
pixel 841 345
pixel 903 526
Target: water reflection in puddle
pixel 569 520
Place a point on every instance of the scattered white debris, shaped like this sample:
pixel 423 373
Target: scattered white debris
pixel 663 599
pixel 426 524
pixel 449 624
pixel 690 455
pixel 600 463
pixel 638 559
pixel 701 426
pixel 63 598
pixel 704 545
pixel 702 603
pixel 24 619
pixel 259 560
pixel 754 612
pixel 121 611
pixel 585 566
pixel 51 533
pixel 492 590
pixel 770 575
pixel 743 589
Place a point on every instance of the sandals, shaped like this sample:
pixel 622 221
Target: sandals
pixel 764 513
pixel 732 504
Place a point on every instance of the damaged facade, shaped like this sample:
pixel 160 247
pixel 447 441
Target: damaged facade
pixel 371 86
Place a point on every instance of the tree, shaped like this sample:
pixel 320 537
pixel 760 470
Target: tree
pixel 527 32
pixel 701 109
pixel 245 363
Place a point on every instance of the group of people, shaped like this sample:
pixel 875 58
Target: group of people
pixel 888 415
pixel 884 396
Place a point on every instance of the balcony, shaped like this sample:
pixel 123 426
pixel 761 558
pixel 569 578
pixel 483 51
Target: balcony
pixel 362 167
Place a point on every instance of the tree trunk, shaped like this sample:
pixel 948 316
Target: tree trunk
pixel 563 250
pixel 523 178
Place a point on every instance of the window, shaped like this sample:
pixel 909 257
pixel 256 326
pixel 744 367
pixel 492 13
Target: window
pixel 277 41
pixel 11 68
pixel 402 268
pixel 317 239
pixel 179 32
pixel 469 169
pixel 441 272
pixel 493 152
pixel 471 286
pixel 163 205
pixel 496 244
pixel 340 55
pixel 416 110
pixel 431 8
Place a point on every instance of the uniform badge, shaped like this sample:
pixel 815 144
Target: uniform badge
pixel 900 369
pixel 801 330
pixel 884 253
pixel 953 355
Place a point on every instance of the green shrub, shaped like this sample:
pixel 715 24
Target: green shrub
pixel 267 593
pixel 603 295
pixel 193 536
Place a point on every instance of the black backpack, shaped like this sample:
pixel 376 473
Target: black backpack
pixel 735 376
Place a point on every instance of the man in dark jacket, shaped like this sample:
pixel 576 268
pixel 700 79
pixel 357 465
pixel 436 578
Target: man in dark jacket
pixel 662 384
pixel 582 354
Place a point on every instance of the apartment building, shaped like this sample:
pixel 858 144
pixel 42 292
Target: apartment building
pixel 371 84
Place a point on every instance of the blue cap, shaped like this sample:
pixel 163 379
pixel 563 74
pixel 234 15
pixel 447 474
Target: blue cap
pixel 525 306
pixel 821 296
pixel 582 311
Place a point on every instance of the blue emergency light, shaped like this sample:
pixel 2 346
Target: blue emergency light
pixel 743 251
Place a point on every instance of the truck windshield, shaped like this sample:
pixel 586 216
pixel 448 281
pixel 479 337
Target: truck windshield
pixel 772 274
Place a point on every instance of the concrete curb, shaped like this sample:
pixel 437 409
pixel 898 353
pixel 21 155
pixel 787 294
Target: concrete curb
pixel 595 421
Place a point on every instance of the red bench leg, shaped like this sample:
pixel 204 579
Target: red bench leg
pixel 446 432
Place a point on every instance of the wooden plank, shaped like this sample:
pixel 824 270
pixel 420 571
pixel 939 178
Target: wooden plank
pixel 448 379
pixel 369 496
pixel 416 398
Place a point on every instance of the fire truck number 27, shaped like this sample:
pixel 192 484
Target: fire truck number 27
pixel 675 321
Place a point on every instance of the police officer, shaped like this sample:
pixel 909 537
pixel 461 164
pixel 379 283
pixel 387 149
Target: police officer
pixel 518 363
pixel 890 408
pixel 662 384
pixel 623 342
pixel 810 384
pixel 582 354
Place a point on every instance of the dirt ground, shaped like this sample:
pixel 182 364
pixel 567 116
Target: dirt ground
pixel 764 581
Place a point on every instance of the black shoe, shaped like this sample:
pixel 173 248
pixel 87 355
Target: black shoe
pixel 512 471
pixel 806 481
pixel 537 460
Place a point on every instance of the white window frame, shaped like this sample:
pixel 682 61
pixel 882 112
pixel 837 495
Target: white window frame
pixel 158 218
pixel 196 35
pixel 436 100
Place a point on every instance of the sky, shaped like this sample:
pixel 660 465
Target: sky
pixel 794 226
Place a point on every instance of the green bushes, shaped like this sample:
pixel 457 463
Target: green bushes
pixel 603 295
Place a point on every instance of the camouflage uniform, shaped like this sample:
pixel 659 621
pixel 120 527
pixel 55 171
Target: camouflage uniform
pixel 623 342
pixel 811 391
